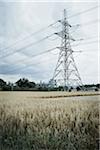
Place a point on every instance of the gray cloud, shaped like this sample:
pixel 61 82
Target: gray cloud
pixel 18 20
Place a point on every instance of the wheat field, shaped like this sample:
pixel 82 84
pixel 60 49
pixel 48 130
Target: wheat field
pixel 49 121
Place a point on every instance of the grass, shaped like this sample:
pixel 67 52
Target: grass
pixel 30 123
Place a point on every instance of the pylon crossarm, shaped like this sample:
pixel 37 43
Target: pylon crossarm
pixel 63 23
pixel 61 34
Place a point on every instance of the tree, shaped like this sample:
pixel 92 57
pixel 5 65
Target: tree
pixel 32 84
pixel 25 83
pixel 78 88
pixel 98 86
pixel 2 83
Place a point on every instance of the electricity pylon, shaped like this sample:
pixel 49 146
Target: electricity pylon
pixel 66 73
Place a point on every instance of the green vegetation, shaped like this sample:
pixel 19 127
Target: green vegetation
pixel 26 85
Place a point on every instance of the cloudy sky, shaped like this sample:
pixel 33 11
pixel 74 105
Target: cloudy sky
pixel 19 20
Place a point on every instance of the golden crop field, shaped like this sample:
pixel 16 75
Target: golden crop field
pixel 49 121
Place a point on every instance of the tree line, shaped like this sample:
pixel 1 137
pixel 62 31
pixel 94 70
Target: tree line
pixel 24 84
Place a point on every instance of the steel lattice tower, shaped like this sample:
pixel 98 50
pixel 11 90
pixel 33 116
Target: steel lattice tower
pixel 66 73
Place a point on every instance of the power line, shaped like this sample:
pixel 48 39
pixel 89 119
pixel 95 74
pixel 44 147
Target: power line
pixel 78 25
pixel 37 43
pixel 27 46
pixel 86 23
pixel 90 22
pixel 83 24
pixel 87 38
pixel 41 30
pixel 32 64
pixel 82 12
pixel 35 55
pixel 32 34
pixel 86 51
pixel 44 52
pixel 92 42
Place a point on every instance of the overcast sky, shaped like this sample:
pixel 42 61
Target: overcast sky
pixel 19 19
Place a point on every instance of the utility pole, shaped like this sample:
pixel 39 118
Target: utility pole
pixel 66 73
